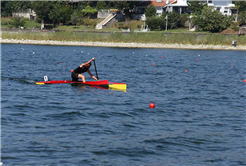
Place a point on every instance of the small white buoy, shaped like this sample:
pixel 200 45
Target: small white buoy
pixel 88 53
pixel 33 52
pixel 81 51
pixel 73 50
pixel 198 55
pixel 133 52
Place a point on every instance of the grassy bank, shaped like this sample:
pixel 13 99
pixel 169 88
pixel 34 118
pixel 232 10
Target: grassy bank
pixel 157 37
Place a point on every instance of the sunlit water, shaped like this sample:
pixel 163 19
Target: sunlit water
pixel 199 118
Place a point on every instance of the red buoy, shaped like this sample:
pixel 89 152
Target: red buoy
pixel 153 63
pixel 244 80
pixel 186 70
pixel 71 71
pixel 152 105
pixel 161 56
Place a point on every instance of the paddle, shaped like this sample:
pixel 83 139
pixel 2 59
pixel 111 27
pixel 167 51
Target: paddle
pixel 95 68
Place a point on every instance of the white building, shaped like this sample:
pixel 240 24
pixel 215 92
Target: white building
pixel 30 14
pixel 181 6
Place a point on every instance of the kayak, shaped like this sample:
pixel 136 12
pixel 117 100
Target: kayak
pixel 103 83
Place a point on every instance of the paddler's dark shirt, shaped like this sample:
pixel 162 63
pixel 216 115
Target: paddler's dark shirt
pixel 80 70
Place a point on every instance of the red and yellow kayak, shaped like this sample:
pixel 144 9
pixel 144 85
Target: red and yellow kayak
pixel 103 83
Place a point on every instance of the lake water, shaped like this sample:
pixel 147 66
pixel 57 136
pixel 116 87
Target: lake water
pixel 199 118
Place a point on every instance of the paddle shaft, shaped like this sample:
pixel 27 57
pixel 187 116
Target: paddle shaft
pixel 96 69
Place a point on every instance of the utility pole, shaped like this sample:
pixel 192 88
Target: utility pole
pixel 166 21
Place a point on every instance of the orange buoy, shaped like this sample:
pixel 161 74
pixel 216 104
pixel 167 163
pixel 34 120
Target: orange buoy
pixel 186 70
pixel 161 56
pixel 197 59
pixel 244 80
pixel 224 57
pixel 232 64
pixel 71 71
pixel 153 63
pixel 60 63
pixel 152 105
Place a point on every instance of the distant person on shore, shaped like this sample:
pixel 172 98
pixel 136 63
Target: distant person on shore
pixel 76 74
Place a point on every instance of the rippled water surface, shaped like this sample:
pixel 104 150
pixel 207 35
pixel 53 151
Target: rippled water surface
pixel 199 118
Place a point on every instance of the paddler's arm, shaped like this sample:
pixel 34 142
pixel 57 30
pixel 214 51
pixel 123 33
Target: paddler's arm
pixel 92 76
pixel 87 62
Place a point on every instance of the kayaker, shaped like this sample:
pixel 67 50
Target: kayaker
pixel 76 74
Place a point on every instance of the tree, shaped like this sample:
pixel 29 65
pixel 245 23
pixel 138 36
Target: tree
pixel 74 19
pixel 242 17
pixel 125 4
pixel 196 6
pixel 8 7
pixel 42 10
pixel 60 13
pixel 89 3
pixel 174 20
pixel 89 11
pixel 101 5
pixel 21 6
pixel 150 11
pixel 241 6
pixel 212 20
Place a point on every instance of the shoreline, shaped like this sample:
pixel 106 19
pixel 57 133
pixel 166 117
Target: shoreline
pixel 124 45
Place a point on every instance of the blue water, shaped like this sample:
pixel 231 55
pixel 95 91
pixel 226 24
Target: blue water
pixel 199 118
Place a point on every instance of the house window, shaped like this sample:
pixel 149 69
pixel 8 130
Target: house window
pixel 226 10
pixel 218 8
pixel 210 1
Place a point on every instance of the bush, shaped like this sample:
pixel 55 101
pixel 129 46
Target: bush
pixel 154 22
pixel 212 20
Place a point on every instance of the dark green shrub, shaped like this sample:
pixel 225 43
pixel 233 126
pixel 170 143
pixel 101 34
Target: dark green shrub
pixel 154 23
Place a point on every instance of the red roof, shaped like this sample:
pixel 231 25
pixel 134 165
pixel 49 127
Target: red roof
pixel 153 2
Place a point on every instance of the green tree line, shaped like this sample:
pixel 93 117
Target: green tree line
pixel 57 12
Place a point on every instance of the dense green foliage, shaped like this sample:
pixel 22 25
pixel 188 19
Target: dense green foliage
pixel 150 11
pixel 124 4
pixel 60 12
pixel 74 18
pixel 101 5
pixel 88 11
pixel 7 7
pixel 212 20
pixel 175 20
pixel 242 17
pixel 18 21
pixel 241 7
pixel 196 6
